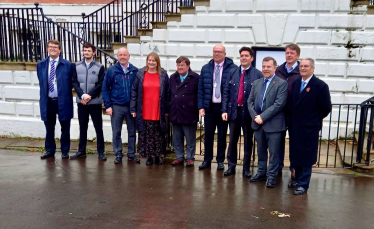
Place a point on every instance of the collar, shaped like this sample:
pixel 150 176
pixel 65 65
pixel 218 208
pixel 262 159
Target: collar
pixel 220 64
pixel 88 63
pixel 57 59
pixel 292 68
pixel 184 75
pixel 307 80
pixel 270 79
pixel 241 68
pixel 125 70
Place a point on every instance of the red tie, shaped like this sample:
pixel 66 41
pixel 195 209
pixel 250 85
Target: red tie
pixel 241 90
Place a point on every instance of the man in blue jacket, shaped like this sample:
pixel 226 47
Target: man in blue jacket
pixel 56 98
pixel 209 99
pixel 235 109
pixel 116 96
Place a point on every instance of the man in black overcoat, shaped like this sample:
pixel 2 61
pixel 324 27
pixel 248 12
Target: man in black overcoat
pixel 310 104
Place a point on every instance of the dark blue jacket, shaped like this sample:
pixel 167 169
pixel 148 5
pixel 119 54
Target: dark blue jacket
pixel 136 104
pixel 205 88
pixel 117 85
pixel 231 90
pixel 64 73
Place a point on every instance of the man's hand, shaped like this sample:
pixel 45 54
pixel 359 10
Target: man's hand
pixel 86 98
pixel 133 114
pixel 258 120
pixel 202 112
pixel 166 115
pixel 109 111
pixel 224 116
pixel 83 102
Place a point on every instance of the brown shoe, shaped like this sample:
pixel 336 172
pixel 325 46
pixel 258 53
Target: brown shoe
pixel 189 163
pixel 177 162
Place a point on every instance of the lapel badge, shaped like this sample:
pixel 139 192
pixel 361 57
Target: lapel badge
pixel 93 72
pixel 273 82
pixel 307 89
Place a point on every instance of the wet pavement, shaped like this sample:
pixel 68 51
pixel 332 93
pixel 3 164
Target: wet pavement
pixel 87 193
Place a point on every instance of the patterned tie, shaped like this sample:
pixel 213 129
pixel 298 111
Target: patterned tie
pixel 52 75
pixel 302 86
pixel 241 90
pixel 217 82
pixel 260 97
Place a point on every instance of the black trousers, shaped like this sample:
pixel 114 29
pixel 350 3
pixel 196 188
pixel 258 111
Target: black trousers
pixel 50 143
pixel 213 120
pixel 95 111
pixel 236 126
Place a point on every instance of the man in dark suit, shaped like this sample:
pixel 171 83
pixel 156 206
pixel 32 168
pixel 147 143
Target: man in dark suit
pixel 266 103
pixel 209 101
pixel 56 98
pixel 310 104
pixel 235 110
pixel 289 71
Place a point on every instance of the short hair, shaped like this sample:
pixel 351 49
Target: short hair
pixel 244 48
pixel 269 58
pixel 294 47
pixel 54 42
pixel 89 45
pixel 183 58
pixel 157 59
pixel 311 61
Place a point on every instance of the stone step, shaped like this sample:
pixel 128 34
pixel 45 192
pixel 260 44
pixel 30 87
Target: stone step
pixel 201 2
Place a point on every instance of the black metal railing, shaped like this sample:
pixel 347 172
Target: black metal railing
pixel 346 138
pixel 371 2
pixel 25 32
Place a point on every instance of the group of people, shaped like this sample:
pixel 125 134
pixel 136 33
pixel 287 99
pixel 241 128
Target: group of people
pixel 264 104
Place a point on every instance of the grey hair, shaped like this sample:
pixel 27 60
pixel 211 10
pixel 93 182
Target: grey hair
pixel 311 61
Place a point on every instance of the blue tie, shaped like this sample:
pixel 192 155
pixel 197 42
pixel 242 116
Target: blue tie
pixel 52 75
pixel 302 86
pixel 260 98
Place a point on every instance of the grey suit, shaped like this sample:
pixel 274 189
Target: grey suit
pixel 268 135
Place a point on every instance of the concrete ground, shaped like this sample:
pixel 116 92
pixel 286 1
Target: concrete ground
pixel 88 193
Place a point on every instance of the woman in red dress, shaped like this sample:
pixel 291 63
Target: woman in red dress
pixel 150 104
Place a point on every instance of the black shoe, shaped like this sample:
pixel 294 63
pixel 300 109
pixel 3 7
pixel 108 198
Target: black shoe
pixel 229 172
pixel 133 158
pixel 47 155
pixel 149 161
pixel 118 160
pixel 257 178
pixel 158 161
pixel 292 185
pixel 270 183
pixel 220 166
pixel 205 165
pixel 299 191
pixel 65 156
pixel 101 157
pixel 78 155
pixel 247 174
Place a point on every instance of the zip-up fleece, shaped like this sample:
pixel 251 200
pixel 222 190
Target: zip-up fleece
pixel 117 85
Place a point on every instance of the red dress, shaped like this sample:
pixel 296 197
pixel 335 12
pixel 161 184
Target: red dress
pixel 151 96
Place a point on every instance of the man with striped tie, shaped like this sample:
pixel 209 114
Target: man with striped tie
pixel 56 98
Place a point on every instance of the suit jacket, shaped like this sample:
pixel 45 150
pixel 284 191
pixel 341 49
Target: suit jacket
pixel 64 73
pixel 231 91
pixel 273 104
pixel 308 109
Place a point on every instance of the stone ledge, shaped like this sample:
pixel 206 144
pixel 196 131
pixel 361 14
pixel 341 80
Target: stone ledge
pixel 18 66
pixel 201 2
pixel 363 168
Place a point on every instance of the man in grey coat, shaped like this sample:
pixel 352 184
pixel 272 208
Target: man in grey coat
pixel 265 104
pixel 87 81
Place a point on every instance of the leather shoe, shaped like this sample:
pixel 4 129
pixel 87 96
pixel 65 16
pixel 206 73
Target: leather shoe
pixel 220 166
pixel 101 157
pixel 118 160
pixel 205 165
pixel 78 155
pixel 149 161
pixel 292 185
pixel 229 172
pixel 133 158
pixel 258 178
pixel 47 155
pixel 247 174
pixel 299 191
pixel 177 162
pixel 65 156
pixel 270 183
pixel 190 163
pixel 158 161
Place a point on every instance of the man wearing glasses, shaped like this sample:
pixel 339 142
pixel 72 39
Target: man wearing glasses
pixel 56 98
pixel 212 79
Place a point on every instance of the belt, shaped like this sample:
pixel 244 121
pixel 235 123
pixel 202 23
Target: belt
pixel 54 98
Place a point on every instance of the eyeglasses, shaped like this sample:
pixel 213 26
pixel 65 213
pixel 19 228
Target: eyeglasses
pixel 218 52
pixel 53 47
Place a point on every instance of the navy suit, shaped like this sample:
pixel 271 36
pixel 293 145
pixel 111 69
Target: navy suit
pixel 61 106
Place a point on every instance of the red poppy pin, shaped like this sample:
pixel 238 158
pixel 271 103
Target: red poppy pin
pixel 307 89
pixel 273 82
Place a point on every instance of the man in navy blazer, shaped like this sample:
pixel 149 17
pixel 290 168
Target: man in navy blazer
pixel 56 98
pixel 266 105
pixel 309 105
